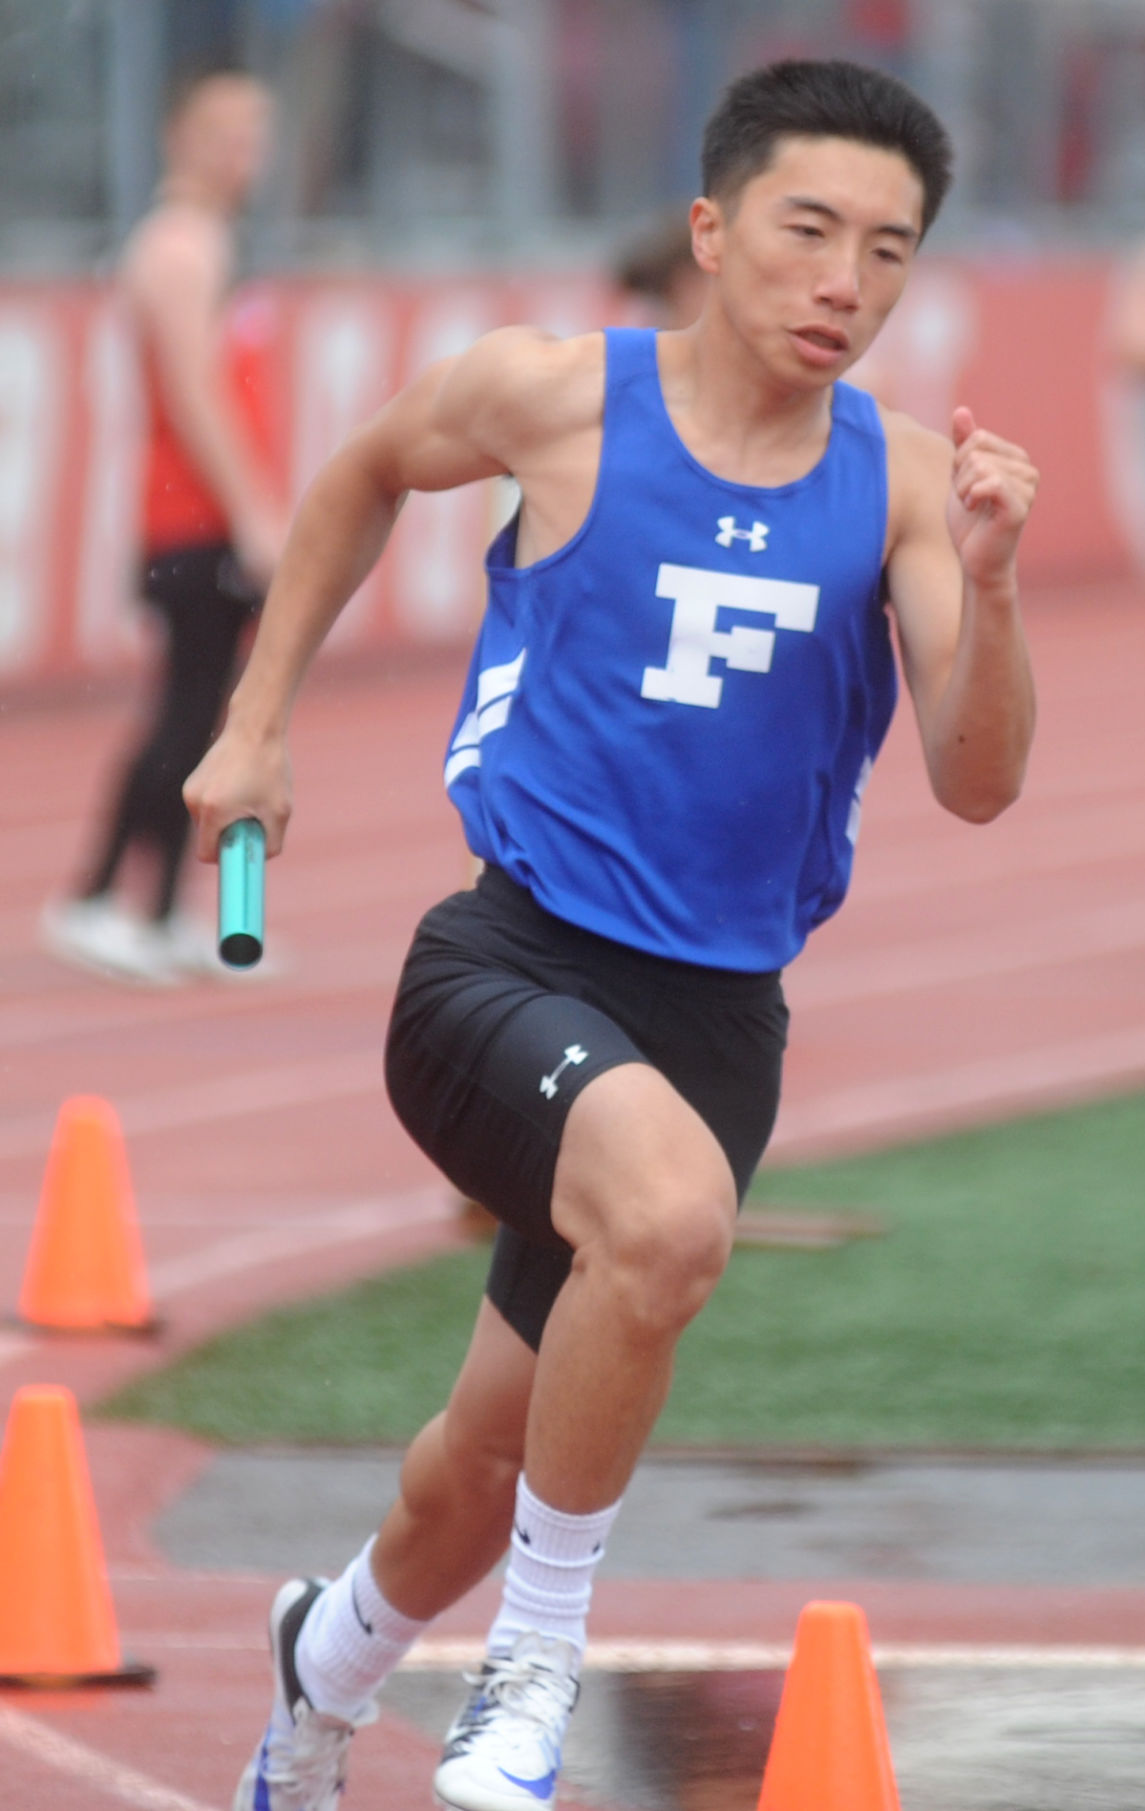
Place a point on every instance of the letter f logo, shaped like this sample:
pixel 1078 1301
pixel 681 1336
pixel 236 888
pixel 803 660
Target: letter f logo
pixel 695 640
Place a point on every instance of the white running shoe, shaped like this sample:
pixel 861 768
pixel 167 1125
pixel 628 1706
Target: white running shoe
pixel 300 1763
pixel 97 934
pixel 190 945
pixel 503 1752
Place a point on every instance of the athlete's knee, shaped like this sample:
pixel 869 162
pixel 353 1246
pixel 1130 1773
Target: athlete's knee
pixel 665 1253
pixel 646 1198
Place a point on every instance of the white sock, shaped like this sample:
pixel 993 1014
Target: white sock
pixel 351 1641
pixel 552 1559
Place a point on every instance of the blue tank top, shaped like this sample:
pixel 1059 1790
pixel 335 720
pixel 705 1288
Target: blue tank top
pixel 668 723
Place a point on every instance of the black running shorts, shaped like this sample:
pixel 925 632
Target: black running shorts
pixel 504 1013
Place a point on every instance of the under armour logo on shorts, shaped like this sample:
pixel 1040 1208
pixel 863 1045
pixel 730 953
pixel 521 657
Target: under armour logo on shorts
pixel 573 1054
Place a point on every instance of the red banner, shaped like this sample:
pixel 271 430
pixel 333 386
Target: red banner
pixel 1023 345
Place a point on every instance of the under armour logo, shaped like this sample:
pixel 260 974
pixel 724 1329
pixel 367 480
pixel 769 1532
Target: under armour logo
pixel 574 1054
pixel 756 535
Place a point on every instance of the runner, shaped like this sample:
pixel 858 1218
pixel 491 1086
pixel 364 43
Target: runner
pixel 684 674
pixel 213 524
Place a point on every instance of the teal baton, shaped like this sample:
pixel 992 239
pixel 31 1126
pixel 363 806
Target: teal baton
pixel 242 867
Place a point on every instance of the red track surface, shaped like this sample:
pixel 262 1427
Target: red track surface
pixel 974 972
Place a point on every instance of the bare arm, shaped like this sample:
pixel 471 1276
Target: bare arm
pixel 175 276
pixel 457 423
pixel 954 593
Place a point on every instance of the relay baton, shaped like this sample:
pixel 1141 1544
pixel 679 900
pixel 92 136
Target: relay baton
pixel 242 864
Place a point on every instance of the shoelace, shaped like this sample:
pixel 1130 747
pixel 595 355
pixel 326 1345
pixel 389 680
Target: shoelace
pixel 520 1685
pixel 318 1755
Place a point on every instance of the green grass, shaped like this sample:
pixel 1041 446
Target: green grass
pixel 1005 1306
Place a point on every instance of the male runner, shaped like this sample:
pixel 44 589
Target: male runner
pixel 212 521
pixel 684 674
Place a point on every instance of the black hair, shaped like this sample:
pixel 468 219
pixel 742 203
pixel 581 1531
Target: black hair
pixel 823 99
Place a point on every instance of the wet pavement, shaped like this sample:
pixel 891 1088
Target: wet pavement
pixel 955 1520
pixel 973 1727
pixel 962 1739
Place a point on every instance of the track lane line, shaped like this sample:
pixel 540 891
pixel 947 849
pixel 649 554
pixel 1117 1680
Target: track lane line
pixel 250 1251
pixel 814 984
pixel 427 1206
pixel 222 1097
pixel 38 1022
pixel 1030 1079
pixel 38 1742
pixel 944 961
pixel 448 1653
pixel 1024 1079
pixel 761 1656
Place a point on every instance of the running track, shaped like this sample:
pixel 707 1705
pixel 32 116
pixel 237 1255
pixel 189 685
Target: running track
pixel 975 972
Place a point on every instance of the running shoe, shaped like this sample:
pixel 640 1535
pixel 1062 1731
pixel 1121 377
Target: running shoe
pixel 97 934
pixel 190 944
pixel 503 1752
pixel 300 1764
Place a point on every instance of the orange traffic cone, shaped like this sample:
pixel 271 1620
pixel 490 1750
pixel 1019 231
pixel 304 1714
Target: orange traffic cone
pixel 57 1624
pixel 830 1750
pixel 85 1268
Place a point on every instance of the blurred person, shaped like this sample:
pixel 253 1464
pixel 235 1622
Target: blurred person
pixel 213 522
pixel 685 671
pixel 659 268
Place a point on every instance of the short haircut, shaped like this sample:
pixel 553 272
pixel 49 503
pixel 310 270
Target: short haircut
pixel 828 99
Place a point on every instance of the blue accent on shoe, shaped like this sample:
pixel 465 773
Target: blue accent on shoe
pixel 542 1788
pixel 262 1789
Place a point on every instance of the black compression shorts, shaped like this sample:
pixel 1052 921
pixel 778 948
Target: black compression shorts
pixel 504 1013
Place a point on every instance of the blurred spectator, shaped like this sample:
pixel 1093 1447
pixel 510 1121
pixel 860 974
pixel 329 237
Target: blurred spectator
pixel 1127 318
pixel 660 270
pixel 213 523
